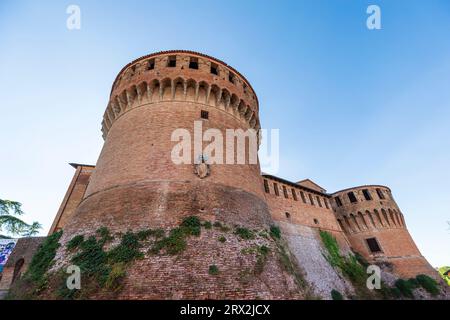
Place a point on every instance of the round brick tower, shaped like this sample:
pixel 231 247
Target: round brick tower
pixel 135 182
pixel 376 229
pixel 136 185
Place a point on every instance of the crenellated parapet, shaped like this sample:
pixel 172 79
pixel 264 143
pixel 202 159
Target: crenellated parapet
pixel 182 76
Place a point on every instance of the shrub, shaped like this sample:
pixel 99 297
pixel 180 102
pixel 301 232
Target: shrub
pixel 191 225
pixel 244 233
pixel 275 232
pixel 222 239
pixel 116 276
pixel 336 295
pixel 213 270
pixel 405 288
pixel 104 234
pixel 43 259
pixel 428 283
pixel 75 242
pixel 207 225
pixel 127 250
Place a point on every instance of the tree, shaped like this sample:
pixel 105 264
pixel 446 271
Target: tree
pixel 9 221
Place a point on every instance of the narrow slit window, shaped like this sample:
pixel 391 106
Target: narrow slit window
pixel 318 201
pixel 366 194
pixel 285 192
pixel 310 199
pixel 294 194
pixel 275 188
pixel 303 196
pixel 316 221
pixel 193 63
pixel 380 194
pixel 338 201
pixel 352 197
pixel 326 203
pixel 266 186
pixel 288 215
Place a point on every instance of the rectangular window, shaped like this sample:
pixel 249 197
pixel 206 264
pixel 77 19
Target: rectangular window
pixel 172 61
pixel 338 201
pixel 373 245
pixel 275 188
pixel 294 194
pixel 326 203
pixel 231 77
pixel 214 69
pixel 310 199
pixel 318 201
pixel 351 197
pixel 193 63
pixel 151 64
pixel 303 196
pixel 380 194
pixel 366 194
pixel 285 192
pixel 204 114
pixel 266 186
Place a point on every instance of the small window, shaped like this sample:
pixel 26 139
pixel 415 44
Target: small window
pixel 318 201
pixel 151 64
pixel 316 221
pixel 285 192
pixel 214 69
pixel 326 203
pixel 294 194
pixel 193 63
pixel 204 114
pixel 310 199
pixel 266 186
pixel 380 194
pixel 275 188
pixel 303 196
pixel 288 215
pixel 245 88
pixel 374 247
pixel 366 194
pixel 133 70
pixel 351 197
pixel 172 61
pixel 231 77
pixel 338 201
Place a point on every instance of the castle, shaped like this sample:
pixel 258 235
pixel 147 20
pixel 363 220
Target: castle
pixel 135 185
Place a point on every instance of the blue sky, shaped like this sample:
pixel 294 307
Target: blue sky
pixel 353 106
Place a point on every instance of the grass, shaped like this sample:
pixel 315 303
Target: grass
pixel 275 232
pixel 244 233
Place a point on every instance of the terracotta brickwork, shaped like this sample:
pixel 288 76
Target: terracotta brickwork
pixel 370 214
pixel 19 260
pixel 135 185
